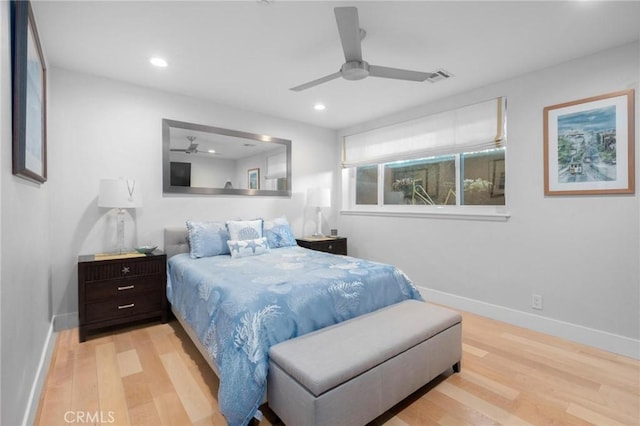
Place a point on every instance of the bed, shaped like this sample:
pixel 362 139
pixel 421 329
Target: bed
pixel 235 309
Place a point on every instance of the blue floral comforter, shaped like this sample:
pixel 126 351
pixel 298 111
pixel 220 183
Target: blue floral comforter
pixel 240 307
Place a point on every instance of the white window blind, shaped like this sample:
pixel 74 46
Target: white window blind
pixel 471 128
pixel 277 166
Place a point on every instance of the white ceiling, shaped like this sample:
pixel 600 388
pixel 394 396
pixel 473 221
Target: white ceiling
pixel 248 54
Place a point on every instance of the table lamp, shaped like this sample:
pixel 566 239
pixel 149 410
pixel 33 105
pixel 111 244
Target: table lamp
pixel 120 194
pixel 319 198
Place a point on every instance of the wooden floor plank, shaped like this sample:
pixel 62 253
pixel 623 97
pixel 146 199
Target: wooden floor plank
pixel 144 415
pixel 473 350
pixel 491 385
pixel 128 363
pixel 170 410
pixel 136 390
pixel 153 375
pixel 110 389
pixel 592 416
pixel 492 411
pixel 84 397
pixel 192 398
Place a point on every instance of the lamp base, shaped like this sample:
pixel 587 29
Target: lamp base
pixel 318 233
pixel 120 230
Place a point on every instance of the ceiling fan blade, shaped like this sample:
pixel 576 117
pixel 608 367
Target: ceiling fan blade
pixel 316 82
pixel 399 74
pixel 349 29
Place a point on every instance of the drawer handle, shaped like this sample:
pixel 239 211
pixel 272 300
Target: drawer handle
pixel 330 246
pixel 126 287
pixel 126 269
pixel 130 305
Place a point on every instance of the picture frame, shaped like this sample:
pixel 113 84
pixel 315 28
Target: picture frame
pixel 29 96
pixel 253 178
pixel 589 146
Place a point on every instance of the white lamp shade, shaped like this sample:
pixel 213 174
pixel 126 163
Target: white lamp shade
pixel 319 197
pixel 119 193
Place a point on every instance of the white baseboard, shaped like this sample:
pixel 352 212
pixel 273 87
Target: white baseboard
pixel 600 339
pixel 41 375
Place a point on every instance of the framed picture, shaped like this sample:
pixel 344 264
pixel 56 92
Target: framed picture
pixel 588 146
pixel 29 96
pixel 254 178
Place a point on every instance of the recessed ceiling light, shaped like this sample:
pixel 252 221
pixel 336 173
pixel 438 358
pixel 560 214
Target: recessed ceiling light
pixel 158 62
pixel 212 151
pixel 319 107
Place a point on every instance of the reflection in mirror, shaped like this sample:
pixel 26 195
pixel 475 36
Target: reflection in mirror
pixel 198 159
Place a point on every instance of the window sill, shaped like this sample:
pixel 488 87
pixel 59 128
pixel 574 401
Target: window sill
pixel 436 213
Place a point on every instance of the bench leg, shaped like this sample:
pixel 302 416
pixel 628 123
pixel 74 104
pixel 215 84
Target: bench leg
pixel 456 367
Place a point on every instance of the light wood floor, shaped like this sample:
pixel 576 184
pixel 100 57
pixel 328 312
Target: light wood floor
pixel 153 375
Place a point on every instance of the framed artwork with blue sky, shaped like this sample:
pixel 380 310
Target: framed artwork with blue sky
pixel 589 146
pixel 29 95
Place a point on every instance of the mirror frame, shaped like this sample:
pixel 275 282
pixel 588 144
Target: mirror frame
pixel 167 188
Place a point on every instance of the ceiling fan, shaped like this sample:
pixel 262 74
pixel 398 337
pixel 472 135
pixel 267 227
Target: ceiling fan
pixel 191 149
pixel 355 68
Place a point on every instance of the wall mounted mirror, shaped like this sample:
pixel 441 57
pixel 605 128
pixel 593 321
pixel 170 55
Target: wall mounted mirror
pixel 199 159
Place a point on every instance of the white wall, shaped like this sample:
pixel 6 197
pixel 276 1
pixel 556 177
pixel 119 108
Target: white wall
pixel 24 264
pixel 206 171
pixel 580 253
pixel 103 128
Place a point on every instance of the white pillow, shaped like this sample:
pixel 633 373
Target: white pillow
pixel 242 248
pixel 244 229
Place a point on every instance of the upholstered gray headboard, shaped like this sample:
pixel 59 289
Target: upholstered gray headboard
pixel 176 240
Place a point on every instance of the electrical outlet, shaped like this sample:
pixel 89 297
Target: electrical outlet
pixel 536 301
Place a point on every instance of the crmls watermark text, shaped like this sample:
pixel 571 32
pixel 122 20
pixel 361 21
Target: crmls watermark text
pixel 89 417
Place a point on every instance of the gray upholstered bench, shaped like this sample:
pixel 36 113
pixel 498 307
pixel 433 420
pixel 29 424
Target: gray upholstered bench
pixel 352 372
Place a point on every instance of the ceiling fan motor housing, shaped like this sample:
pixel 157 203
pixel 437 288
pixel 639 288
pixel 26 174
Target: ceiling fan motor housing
pixel 355 70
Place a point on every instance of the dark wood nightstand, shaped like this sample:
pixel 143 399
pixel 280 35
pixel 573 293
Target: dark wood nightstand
pixel 114 290
pixel 335 245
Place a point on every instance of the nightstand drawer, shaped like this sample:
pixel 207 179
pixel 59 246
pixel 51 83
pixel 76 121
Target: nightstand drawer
pixel 100 271
pixel 337 246
pixel 123 307
pixel 333 245
pixel 96 291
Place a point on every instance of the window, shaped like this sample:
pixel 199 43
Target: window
pixel 428 181
pixel 483 178
pixel 455 158
pixel 434 181
pixel 367 185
